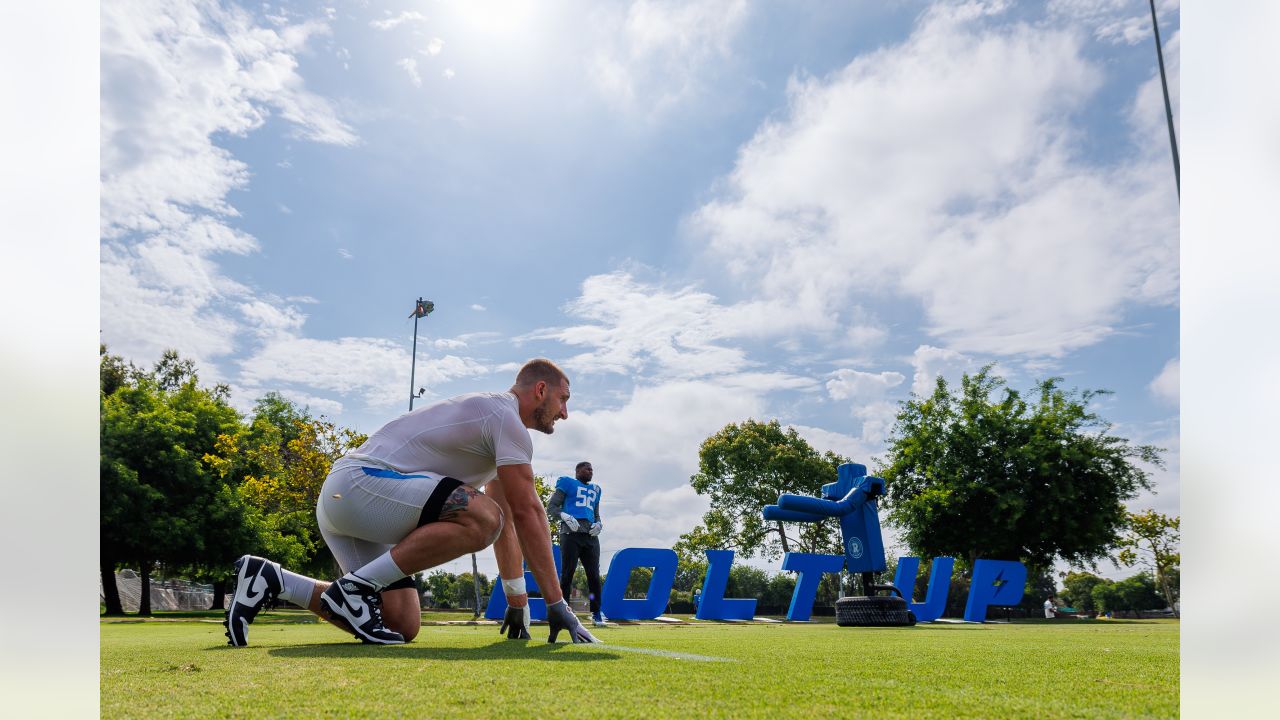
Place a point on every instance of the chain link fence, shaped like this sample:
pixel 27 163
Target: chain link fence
pixel 166 593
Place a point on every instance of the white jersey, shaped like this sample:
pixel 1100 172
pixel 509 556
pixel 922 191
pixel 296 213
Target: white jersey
pixel 467 437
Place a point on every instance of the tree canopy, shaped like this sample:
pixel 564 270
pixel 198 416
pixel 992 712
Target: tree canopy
pixel 1151 540
pixel 159 502
pixel 187 484
pixel 1077 590
pixel 278 463
pixel 1133 594
pixel 986 472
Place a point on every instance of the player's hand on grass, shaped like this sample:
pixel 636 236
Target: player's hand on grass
pixel 516 623
pixel 560 617
pixel 596 527
pixel 569 521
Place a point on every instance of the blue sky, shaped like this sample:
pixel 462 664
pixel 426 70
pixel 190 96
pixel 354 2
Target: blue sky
pixel 706 211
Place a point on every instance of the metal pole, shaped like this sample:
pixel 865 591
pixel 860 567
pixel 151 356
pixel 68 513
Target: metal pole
pixel 1168 109
pixel 413 364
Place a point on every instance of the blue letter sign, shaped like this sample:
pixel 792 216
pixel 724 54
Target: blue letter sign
pixel 614 605
pixel 935 600
pixel 714 606
pixel 995 582
pixel 810 569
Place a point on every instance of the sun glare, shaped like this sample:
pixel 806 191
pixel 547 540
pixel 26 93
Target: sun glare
pixel 506 20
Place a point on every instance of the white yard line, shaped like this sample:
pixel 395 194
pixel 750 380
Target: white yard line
pixel 660 653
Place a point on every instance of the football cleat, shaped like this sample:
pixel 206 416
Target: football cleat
pixel 257 584
pixel 598 620
pixel 355 601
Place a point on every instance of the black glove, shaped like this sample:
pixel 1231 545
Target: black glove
pixel 516 623
pixel 560 617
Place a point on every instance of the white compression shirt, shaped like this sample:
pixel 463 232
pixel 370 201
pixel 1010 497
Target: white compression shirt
pixel 467 437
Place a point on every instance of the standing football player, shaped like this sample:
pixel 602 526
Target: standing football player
pixel 576 502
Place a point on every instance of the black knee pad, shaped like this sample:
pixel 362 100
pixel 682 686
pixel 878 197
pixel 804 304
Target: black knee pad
pixel 404 582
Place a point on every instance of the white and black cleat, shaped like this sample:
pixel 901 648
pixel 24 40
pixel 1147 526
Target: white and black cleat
pixel 355 601
pixel 257 584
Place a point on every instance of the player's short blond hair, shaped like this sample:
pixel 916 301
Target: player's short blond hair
pixel 540 370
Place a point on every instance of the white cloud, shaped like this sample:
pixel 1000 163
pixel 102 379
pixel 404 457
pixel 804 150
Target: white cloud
pixel 948 170
pixel 1147 113
pixel 434 46
pixel 1165 495
pixel 448 74
pixel 869 393
pixel 374 369
pixel 345 254
pixel 411 67
pixel 931 362
pixel 644 451
pixel 856 385
pixel 855 448
pixel 268 318
pixel 636 327
pixel 315 404
pixel 174 75
pixel 412 17
pixel 660 52
pixel 1114 20
pixel 478 308
pixel 1166 385
pixel 448 344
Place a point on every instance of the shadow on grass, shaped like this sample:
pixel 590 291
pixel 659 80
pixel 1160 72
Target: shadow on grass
pixel 502 650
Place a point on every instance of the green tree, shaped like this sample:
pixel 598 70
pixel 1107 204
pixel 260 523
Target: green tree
pixel 746 582
pixel 463 592
pixel 691 562
pixel 778 591
pixel 638 582
pixel 1133 594
pixel 1138 593
pixel 1040 585
pixel 744 467
pixel 1105 596
pixel 278 465
pixel 161 506
pixel 441 583
pixel 545 489
pixel 1151 540
pixel 984 472
pixel 1077 590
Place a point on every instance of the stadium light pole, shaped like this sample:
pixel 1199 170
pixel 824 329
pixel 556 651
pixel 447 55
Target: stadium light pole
pixel 421 310
pixel 1168 109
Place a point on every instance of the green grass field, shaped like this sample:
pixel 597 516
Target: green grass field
pixel 179 666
